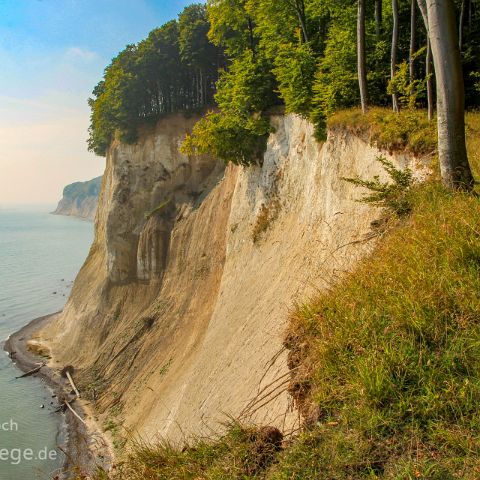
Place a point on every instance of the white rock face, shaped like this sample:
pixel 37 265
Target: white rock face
pixel 179 311
pixel 80 199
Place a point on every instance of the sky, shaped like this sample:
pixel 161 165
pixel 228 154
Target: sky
pixel 52 54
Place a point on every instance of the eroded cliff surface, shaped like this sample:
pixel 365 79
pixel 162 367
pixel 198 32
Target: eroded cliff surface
pixel 80 199
pixel 176 318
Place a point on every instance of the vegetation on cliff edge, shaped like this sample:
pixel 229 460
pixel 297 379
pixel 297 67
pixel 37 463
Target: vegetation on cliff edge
pixel 385 365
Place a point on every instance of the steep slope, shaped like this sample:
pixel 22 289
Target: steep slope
pixel 176 318
pixel 80 199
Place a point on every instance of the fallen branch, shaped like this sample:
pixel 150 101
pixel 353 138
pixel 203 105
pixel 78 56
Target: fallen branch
pixel 67 373
pixel 31 372
pixel 67 403
pixel 70 379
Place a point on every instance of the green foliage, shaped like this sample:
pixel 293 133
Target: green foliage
pixel 408 91
pixel 336 84
pixel 305 58
pixel 174 69
pixel 247 86
pixel 393 195
pixel 239 132
pixel 476 77
pixel 295 67
pixel 232 139
pixel 231 26
pixel 82 190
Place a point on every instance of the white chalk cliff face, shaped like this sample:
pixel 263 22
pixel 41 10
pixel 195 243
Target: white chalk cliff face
pixel 177 316
pixel 80 199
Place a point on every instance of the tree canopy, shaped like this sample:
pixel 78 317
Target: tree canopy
pixel 174 69
pixel 243 57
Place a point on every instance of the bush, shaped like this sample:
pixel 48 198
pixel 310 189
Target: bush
pixel 393 195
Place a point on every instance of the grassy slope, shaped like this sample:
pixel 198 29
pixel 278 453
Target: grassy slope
pixel 388 361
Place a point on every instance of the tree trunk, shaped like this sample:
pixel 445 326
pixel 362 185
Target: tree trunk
pixel 300 8
pixel 429 75
pixel 250 33
pixel 361 64
pixel 413 40
pixel 470 15
pixel 452 150
pixel 393 57
pixel 422 5
pixel 378 19
pixel 460 25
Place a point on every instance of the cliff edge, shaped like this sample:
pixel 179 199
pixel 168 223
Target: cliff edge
pixel 177 316
pixel 80 199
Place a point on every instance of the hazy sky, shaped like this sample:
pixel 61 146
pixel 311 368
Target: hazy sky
pixel 52 53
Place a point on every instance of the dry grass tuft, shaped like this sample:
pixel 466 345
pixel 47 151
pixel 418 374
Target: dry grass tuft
pixel 267 215
pixel 38 349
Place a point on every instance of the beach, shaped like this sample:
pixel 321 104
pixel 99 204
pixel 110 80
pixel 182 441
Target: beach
pixel 84 444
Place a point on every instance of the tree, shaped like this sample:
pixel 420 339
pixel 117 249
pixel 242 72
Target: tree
pixel 452 151
pixel 460 25
pixel 174 69
pixel 413 35
pixel 361 62
pixel 378 19
pixel 428 61
pixel 393 55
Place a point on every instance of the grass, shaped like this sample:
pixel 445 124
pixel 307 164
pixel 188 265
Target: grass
pixel 408 130
pixel 239 454
pixel 387 363
pixel 391 356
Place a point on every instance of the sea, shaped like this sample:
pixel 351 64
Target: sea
pixel 40 255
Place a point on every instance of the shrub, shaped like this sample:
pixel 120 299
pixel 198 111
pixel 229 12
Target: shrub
pixel 393 195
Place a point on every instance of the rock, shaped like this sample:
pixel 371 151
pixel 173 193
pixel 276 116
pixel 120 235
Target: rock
pixel 80 199
pixel 220 299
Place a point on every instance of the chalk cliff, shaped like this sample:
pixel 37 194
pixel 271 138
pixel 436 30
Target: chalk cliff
pixel 80 199
pixel 176 318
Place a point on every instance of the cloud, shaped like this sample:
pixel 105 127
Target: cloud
pixel 9 102
pixel 81 53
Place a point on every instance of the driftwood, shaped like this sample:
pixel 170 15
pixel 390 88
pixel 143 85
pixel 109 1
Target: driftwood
pixel 67 373
pixel 31 372
pixel 70 379
pixel 67 403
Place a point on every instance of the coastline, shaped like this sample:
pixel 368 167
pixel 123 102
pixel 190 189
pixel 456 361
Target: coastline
pixel 85 446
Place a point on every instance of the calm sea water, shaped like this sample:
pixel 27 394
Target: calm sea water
pixel 39 254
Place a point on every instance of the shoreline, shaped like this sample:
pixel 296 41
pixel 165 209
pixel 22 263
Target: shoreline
pixel 85 446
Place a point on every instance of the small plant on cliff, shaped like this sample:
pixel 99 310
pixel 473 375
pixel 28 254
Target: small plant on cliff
pixel 393 195
pixel 267 215
pixel 157 209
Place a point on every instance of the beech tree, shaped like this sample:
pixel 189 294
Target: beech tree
pixel 452 150
pixel 378 18
pixel 241 58
pixel 393 55
pixel 413 39
pixel 361 63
